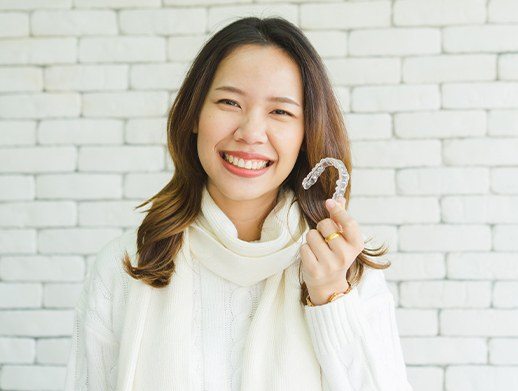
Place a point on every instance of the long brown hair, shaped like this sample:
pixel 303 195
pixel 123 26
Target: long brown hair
pixel 175 207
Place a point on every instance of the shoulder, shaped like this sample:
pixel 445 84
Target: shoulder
pixel 108 263
pixel 102 302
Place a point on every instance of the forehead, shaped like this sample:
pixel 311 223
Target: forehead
pixel 260 72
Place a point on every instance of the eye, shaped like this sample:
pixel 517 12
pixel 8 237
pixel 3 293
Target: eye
pixel 284 112
pixel 227 100
pixel 230 100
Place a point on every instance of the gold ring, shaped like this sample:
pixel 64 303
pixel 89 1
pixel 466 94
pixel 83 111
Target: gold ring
pixel 330 237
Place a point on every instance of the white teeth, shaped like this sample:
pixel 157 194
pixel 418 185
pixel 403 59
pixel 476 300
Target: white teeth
pixel 248 164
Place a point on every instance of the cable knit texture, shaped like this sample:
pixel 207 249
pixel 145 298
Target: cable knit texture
pixel 355 338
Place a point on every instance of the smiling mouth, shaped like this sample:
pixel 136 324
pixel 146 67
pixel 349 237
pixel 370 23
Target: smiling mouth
pixel 222 154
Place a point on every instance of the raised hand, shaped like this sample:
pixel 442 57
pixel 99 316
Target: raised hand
pixel 324 265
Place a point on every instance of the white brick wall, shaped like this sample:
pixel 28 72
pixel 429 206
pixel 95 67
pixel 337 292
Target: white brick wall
pixel 429 91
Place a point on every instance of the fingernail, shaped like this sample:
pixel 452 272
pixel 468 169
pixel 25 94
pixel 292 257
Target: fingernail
pixel 330 203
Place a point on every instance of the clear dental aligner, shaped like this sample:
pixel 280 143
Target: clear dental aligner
pixel 319 168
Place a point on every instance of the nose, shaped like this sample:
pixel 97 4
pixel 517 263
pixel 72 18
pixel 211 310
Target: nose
pixel 253 130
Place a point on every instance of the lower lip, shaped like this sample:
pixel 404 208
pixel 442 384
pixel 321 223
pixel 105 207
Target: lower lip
pixel 243 171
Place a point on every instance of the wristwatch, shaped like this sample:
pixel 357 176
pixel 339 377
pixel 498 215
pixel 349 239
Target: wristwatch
pixel 331 298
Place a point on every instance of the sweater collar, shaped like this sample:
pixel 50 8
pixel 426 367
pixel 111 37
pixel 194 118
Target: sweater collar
pixel 215 243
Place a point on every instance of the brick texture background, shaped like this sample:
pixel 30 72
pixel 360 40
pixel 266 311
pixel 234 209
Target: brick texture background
pixel 429 91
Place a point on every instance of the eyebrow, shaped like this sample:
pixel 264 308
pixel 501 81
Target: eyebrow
pixel 284 99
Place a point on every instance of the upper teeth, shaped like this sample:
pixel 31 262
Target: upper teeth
pixel 249 164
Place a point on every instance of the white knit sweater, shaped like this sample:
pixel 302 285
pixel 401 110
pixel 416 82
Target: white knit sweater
pixel 344 332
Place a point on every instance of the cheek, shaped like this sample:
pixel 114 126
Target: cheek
pixel 288 148
pixel 206 149
pixel 211 132
pixel 290 140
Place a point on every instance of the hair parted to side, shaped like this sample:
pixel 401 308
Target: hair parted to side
pixel 176 206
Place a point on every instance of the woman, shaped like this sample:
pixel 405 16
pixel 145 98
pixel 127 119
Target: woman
pixel 226 284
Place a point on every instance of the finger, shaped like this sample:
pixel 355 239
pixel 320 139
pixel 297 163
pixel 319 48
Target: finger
pixel 341 201
pixel 350 227
pixel 308 259
pixel 319 247
pixel 339 245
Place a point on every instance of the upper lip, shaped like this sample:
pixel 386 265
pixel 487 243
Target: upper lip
pixel 248 155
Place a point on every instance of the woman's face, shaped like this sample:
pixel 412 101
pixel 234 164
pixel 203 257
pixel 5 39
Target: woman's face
pixel 252 121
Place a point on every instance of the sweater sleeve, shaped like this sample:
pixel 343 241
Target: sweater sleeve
pixel 357 343
pixel 94 348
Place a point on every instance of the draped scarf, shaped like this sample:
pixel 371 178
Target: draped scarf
pixel 156 340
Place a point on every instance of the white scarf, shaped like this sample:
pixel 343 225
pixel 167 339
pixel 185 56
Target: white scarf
pixel 278 353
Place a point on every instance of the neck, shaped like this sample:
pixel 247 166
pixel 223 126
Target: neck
pixel 247 216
